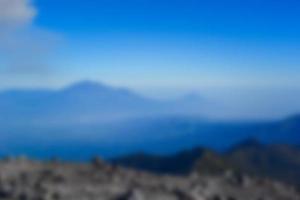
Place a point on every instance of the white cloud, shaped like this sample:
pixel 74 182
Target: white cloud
pixel 24 47
pixel 16 12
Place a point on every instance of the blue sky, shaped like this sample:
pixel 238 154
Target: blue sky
pixel 158 47
pixel 251 19
pixel 177 43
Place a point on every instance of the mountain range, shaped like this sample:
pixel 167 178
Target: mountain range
pixel 85 102
pixel 279 162
pixel 88 119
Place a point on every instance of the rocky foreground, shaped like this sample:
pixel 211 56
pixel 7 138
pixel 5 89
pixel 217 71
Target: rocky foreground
pixel 22 179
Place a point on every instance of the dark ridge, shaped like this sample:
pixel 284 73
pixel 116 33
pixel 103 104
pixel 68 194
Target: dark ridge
pixel 179 164
pixel 279 162
pixel 250 143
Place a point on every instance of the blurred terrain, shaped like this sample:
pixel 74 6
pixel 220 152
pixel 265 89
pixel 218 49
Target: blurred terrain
pixel 278 162
pixel 26 179
pixel 154 149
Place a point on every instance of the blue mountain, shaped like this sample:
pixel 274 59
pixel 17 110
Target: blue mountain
pixel 84 102
pixel 88 118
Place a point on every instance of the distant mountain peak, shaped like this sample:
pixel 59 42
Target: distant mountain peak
pixel 87 85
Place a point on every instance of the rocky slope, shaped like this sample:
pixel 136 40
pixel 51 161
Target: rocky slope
pixel 279 162
pixel 22 179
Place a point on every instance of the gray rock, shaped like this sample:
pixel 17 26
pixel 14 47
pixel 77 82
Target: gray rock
pixel 24 179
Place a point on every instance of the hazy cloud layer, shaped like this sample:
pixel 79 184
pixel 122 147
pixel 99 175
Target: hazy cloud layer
pixel 24 47
pixel 16 12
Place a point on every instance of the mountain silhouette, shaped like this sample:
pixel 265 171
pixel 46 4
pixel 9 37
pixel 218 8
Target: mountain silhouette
pixel 83 102
pixel 180 163
pixel 277 161
pixel 90 118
